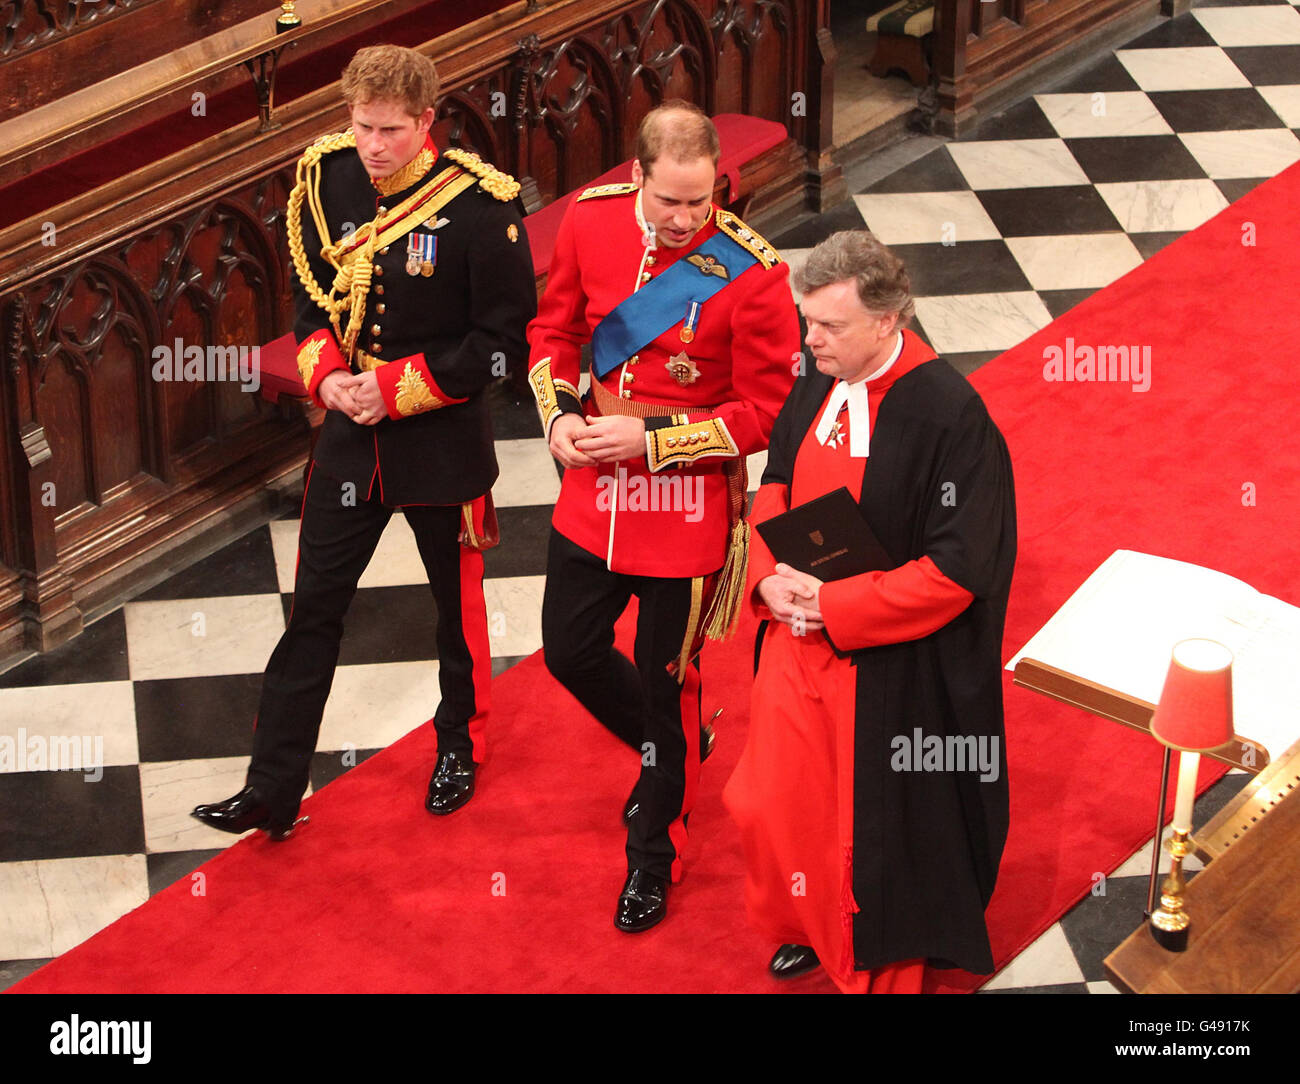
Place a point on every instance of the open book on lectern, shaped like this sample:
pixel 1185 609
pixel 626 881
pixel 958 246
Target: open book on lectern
pixel 1118 630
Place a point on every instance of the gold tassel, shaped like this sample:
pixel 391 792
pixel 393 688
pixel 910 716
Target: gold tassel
pixel 729 593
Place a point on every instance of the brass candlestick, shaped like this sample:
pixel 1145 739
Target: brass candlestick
pixel 1169 922
pixel 289 19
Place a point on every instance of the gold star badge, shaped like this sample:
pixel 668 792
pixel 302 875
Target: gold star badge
pixel 512 231
pixel 682 369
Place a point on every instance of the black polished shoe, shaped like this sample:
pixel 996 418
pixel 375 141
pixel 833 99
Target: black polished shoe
pixel 792 960
pixel 451 785
pixel 245 810
pixel 643 902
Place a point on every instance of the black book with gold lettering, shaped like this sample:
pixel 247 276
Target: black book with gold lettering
pixel 826 538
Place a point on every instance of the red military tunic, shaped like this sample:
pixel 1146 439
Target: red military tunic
pixel 792 792
pixel 735 373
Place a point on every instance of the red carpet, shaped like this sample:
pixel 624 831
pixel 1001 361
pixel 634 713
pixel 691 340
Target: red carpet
pixel 517 892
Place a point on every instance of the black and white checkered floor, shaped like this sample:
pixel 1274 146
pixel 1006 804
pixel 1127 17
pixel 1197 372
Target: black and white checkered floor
pixel 1003 231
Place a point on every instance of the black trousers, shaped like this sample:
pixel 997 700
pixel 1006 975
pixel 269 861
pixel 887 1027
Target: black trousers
pixel 640 702
pixel 336 541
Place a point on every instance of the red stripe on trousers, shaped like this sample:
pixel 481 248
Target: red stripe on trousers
pixel 689 703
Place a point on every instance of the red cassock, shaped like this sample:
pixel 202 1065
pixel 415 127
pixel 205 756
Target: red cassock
pixel 792 791
pixel 726 371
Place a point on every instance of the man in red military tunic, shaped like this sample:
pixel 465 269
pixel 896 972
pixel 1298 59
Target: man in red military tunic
pixel 694 346
pixel 872 794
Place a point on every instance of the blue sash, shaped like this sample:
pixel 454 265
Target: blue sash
pixel 660 304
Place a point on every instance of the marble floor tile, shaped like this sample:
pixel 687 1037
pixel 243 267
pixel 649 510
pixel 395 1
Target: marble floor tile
pixel 970 267
pixel 795 258
pixel 1083 116
pixel 371 706
pixel 53 722
pixel 933 172
pixel 1046 962
pixel 196 716
pixel 1268 65
pixel 528 474
pixel 1046 212
pixel 51 906
pixel 1074 261
pixel 242 567
pixel 1237 109
pixel 926 217
pixel 1285 102
pixel 1261 153
pixel 1265 24
pixel 1162 206
pixel 1016 163
pixel 1192 68
pixel 98 654
pixel 514 606
pixel 202 636
pixel 1139 158
pixel 169 789
pixel 1104 986
pixel 965 323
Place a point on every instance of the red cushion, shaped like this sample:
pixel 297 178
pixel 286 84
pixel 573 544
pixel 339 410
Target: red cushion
pixel 278 369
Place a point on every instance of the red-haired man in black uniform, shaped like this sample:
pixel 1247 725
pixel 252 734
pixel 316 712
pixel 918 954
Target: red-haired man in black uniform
pixel 414 286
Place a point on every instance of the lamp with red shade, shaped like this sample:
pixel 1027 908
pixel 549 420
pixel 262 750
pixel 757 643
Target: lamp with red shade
pixel 1194 716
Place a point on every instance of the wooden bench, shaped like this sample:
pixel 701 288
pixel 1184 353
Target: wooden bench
pixel 905 32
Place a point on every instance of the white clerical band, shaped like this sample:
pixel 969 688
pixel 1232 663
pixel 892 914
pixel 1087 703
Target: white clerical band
pixel 855 397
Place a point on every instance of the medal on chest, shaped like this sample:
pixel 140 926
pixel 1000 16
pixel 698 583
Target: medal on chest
pixel 682 369
pixel 421 253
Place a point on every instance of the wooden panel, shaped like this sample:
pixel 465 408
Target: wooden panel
pixel 1245 921
pixel 984 52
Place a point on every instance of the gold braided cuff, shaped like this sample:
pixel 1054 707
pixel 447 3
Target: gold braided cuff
pixel 554 397
pixel 318 356
pixel 409 388
pixel 685 442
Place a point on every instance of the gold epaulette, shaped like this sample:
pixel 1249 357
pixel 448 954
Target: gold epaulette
pixel 748 239
pixel 499 185
pixel 597 191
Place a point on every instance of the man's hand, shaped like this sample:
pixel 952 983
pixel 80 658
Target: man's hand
pixel 790 593
pixel 335 391
pixel 369 408
pixel 613 438
pixel 563 431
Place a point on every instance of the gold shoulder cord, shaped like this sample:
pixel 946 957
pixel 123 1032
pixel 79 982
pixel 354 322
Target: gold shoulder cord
pixel 356 274
pixel 499 185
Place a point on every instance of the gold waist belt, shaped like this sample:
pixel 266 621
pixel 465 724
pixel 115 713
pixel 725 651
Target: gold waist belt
pixel 368 362
pixel 609 403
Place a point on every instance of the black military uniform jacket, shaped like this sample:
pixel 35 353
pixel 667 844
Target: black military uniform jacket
pixel 444 315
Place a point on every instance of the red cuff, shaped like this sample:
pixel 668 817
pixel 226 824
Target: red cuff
pixel 770 500
pixel 318 356
pixel 905 603
pixel 409 388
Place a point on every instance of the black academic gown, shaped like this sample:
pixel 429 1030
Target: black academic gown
pixel 926 844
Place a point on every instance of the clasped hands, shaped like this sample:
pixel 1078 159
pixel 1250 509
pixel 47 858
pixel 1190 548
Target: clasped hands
pixel 789 594
pixel 356 395
pixel 583 442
